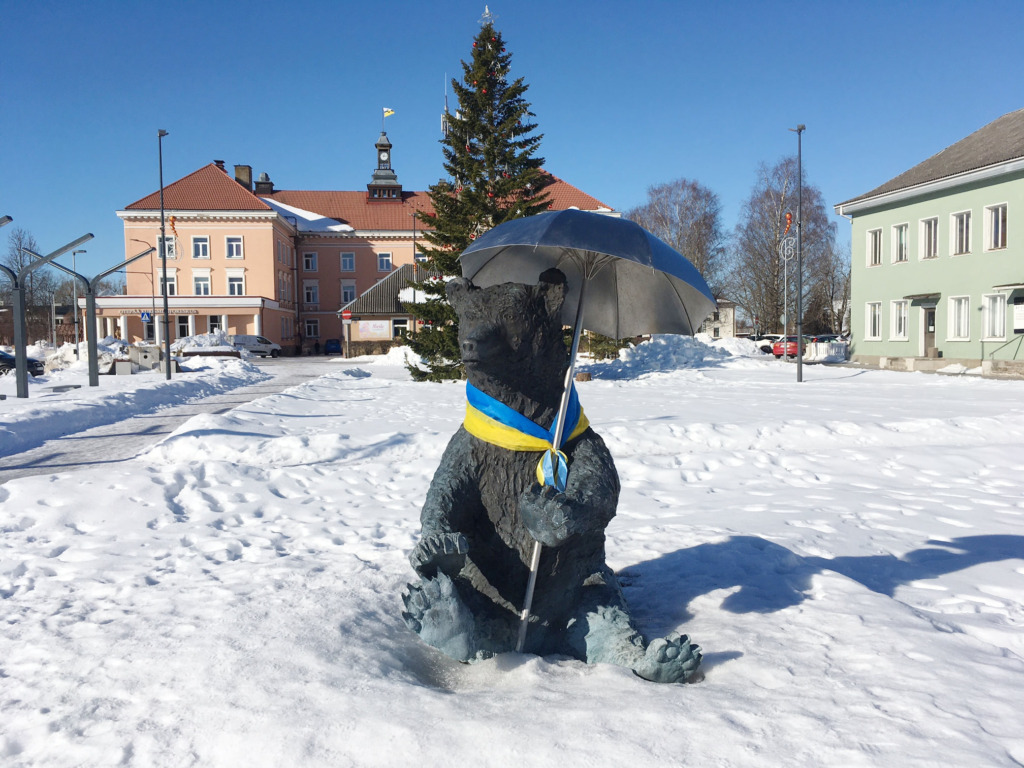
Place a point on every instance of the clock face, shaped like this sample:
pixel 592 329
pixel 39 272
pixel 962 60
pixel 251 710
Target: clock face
pixel 383 155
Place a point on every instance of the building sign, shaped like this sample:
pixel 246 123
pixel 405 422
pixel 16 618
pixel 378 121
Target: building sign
pixel 374 329
pixel 100 311
pixel 1018 315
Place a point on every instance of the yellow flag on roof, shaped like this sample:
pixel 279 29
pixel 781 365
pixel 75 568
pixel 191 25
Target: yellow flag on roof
pixel 388 111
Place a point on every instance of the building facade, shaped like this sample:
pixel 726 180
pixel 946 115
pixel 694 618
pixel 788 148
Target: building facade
pixel 938 257
pixel 247 258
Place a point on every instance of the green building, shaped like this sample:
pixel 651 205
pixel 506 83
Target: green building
pixel 938 258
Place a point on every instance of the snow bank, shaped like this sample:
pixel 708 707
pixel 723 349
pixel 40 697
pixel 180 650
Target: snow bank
pixel 48 412
pixel 660 353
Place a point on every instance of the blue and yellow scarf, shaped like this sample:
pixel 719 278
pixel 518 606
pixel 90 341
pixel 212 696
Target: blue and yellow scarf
pixel 494 422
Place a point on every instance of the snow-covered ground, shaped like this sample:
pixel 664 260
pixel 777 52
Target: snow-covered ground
pixel 61 402
pixel 849 552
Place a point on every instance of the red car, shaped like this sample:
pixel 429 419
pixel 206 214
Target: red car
pixel 786 347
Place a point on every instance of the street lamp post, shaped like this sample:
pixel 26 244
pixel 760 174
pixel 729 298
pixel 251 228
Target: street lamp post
pixel 74 285
pixel 799 130
pixel 163 258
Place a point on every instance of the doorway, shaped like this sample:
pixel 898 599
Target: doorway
pixel 929 330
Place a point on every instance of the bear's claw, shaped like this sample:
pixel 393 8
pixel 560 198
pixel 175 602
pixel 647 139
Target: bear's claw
pixel 439 552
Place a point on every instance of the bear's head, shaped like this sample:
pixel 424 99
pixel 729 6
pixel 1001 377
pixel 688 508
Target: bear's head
pixel 510 338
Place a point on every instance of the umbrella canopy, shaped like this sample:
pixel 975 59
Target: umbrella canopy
pixel 635 283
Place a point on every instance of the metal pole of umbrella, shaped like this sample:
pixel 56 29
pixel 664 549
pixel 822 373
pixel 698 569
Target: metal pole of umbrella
pixel 563 407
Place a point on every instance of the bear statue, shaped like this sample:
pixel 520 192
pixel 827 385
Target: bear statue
pixel 485 508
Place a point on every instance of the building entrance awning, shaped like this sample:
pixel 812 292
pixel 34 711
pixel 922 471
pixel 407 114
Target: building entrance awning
pixel 922 296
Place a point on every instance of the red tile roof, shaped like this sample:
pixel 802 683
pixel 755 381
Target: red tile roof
pixel 356 209
pixel 208 189
pixel 212 189
pixel 564 195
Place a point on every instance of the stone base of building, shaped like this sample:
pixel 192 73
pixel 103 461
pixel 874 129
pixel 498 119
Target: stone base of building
pixel 995 368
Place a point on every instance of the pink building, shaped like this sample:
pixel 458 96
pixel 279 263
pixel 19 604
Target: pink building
pixel 244 257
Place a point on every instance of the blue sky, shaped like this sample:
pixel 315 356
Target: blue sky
pixel 627 94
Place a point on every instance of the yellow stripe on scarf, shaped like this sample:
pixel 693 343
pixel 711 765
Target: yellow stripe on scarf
pixel 492 431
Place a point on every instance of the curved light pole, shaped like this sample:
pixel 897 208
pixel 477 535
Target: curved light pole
pixel 163 257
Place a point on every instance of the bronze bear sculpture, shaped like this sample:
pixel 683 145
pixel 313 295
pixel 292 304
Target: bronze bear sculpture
pixel 485 509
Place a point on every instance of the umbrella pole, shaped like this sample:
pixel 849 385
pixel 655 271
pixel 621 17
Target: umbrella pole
pixel 563 408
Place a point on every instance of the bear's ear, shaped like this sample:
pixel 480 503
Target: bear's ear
pixel 553 286
pixel 457 288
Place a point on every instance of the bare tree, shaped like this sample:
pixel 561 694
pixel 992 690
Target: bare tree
pixel 687 216
pixel 756 277
pixel 831 286
pixel 40 284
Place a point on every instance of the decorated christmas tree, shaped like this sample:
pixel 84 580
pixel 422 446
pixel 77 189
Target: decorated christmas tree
pixel 488 148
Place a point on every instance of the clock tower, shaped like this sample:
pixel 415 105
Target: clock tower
pixel 385 184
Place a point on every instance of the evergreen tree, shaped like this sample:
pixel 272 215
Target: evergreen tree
pixel 488 151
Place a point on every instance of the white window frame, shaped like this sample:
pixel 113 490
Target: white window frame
pixel 172 251
pixel 202 244
pixel 900 243
pixel 956 241
pixel 235 275
pixel 309 262
pixel 995 227
pixel 310 292
pixel 349 258
pixel 399 326
pixel 231 252
pixel 201 277
pixel 899 319
pixel 171 277
pixel 925 252
pixel 384 263
pixel 993 317
pixel 874 247
pixel 873 321
pixel 959 326
pixel 348 291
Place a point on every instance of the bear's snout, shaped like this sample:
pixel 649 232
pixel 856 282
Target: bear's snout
pixel 481 345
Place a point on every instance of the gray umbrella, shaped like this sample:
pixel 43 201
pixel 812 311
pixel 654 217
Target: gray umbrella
pixel 622 281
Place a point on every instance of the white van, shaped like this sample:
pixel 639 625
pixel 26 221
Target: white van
pixel 257 345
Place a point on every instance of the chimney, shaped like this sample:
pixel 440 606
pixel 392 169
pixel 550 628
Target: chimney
pixel 264 186
pixel 243 175
pixel 219 164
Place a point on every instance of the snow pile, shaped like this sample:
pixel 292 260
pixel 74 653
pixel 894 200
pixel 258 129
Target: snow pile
pixel 108 349
pixel 205 341
pixel 736 347
pixel 661 353
pixel 400 357
pixel 953 369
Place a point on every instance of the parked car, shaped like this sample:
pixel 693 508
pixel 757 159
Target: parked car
pixel 824 338
pixel 765 341
pixel 7 364
pixel 258 345
pixel 786 347
pixel 332 347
